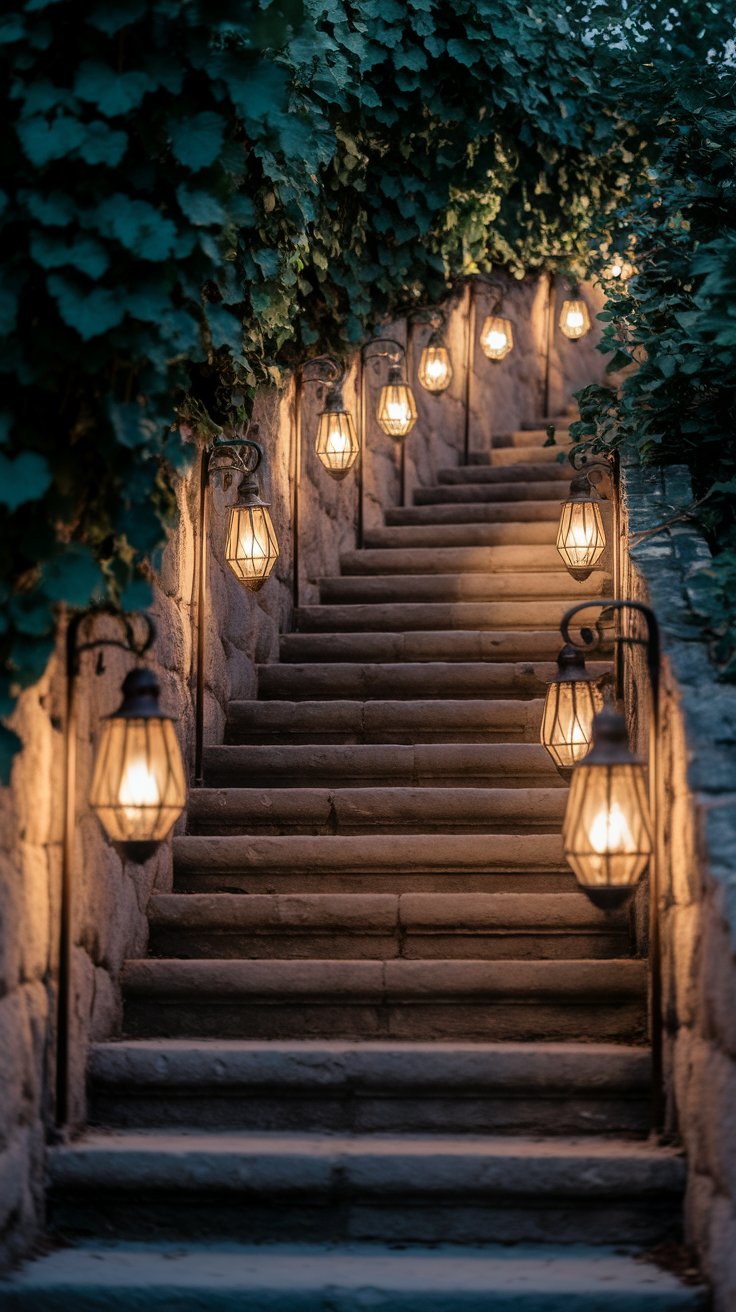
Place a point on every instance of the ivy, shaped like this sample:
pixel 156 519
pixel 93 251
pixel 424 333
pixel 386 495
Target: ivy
pixel 202 193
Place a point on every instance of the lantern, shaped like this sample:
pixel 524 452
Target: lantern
pixel 497 337
pixel 435 366
pixel 573 698
pixel 251 549
pixel 607 833
pixel 581 537
pixel 574 319
pixel 397 409
pixel 337 444
pixel 138 789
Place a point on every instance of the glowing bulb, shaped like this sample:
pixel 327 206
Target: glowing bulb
pixel 609 831
pixel 138 789
pixel 574 319
pixel 497 337
pixel 397 409
pixel 337 445
pixel 435 368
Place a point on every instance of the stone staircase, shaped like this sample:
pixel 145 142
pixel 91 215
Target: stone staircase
pixel 383 1053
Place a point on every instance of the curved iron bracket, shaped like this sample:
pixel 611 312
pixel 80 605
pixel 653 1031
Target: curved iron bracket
pixel 136 646
pixel 396 356
pixel 592 638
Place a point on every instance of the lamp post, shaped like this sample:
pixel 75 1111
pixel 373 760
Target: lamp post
pixel 435 366
pixel 613 825
pixel 251 549
pixel 138 789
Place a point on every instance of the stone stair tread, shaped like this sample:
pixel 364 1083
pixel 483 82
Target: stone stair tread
pixel 295 1163
pixel 392 852
pixel 549 469
pixel 493 616
pixel 345 692
pixel 459 536
pixel 377 808
pixel 300 1277
pixel 537 559
pixel 544 510
pixel 379 911
pixel 444 646
pixel 472 586
pixel 590 981
pixel 325 1063
pixel 551 488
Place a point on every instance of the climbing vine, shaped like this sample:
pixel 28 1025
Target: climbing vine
pixel 201 193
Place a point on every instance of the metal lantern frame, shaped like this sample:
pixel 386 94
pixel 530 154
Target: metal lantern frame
pixel 434 349
pixel 573 698
pixel 330 373
pixel 582 507
pixel 607 628
pixel 496 354
pixel 375 352
pixel 574 299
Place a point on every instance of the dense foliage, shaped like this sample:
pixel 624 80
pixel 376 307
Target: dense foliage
pixel 198 194
pixel 676 318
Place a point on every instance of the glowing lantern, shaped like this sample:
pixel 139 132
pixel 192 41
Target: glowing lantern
pixel 620 269
pixel 497 337
pixel 607 833
pixel 573 699
pixel 574 319
pixel 337 444
pixel 435 366
pixel 251 549
pixel 581 537
pixel 138 788
pixel 397 409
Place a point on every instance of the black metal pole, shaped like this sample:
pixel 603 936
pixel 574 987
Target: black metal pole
pixel 551 306
pixel 201 617
pixel 469 366
pixel 298 392
pixel 359 385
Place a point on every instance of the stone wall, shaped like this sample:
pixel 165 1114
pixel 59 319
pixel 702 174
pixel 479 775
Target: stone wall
pixel 697 819
pixel 110 897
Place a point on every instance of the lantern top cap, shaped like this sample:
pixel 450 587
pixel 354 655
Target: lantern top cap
pixel 334 403
pixel 395 375
pixel 581 489
pixel 571 666
pixel 141 692
pixel 610 740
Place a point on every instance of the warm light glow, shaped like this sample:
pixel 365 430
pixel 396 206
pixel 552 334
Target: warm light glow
pixel 619 269
pixel 251 549
pixel 337 445
pixel 581 537
pixel 574 319
pixel 435 368
pixel 607 833
pixel 138 789
pixel 397 409
pixel 497 337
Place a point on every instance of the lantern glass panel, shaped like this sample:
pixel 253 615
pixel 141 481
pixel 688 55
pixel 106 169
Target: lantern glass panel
pixel 567 720
pixel 337 445
pixel 435 368
pixel 397 409
pixel 497 337
pixel 574 319
pixel 581 537
pixel 138 788
pixel 251 549
pixel 607 834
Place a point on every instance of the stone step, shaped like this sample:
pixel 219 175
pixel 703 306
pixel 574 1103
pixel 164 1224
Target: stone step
pixel 532 437
pixel 598 1001
pixel 465 765
pixel 541 423
pixel 439 646
pixel 509 457
pixel 510 473
pixel 410 721
pixel 384 1088
pixel 467 490
pixel 384 926
pixel 475 512
pixel 449 680
pixel 357 589
pixel 376 810
pixel 348 1278
pixel 445 536
pixel 396 617
pixel 333 1188
pixel 517 863
pixel 453 560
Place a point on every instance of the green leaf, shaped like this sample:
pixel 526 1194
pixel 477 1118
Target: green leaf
pixel 91 312
pixel 196 141
pixel 73 576
pixel 23 479
pixel 112 93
